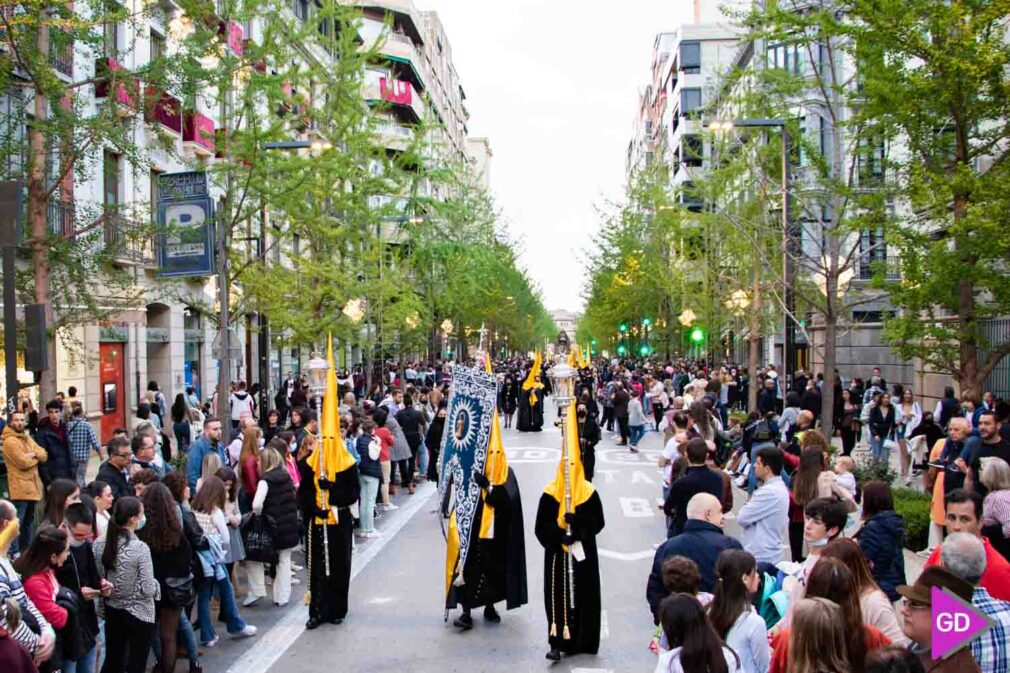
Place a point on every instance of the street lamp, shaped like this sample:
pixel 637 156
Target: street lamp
pixel 788 237
pixel 687 317
pixel 317 367
pixel 738 302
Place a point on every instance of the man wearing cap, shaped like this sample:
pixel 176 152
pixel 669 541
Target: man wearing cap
pixel 917 619
pixel 964 555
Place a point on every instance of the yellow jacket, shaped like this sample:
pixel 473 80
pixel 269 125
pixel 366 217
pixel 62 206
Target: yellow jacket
pixel 22 456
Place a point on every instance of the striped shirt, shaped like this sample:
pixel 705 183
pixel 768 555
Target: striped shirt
pixel 992 649
pixel 11 587
pixel 134 587
pixel 82 439
pixel 996 510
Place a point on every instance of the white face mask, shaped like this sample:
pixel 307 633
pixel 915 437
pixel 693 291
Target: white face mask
pixel 823 542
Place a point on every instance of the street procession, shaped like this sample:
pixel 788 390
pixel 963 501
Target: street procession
pixel 410 336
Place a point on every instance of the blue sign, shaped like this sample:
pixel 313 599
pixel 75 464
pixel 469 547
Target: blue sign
pixel 472 400
pixel 185 225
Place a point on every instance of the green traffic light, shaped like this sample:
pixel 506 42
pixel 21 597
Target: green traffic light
pixel 644 350
pixel 623 327
pixel 647 322
pixel 592 342
pixel 621 350
pixel 697 335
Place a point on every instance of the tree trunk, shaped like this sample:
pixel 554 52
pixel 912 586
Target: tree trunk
pixel 969 375
pixel 37 201
pixel 754 342
pixel 830 357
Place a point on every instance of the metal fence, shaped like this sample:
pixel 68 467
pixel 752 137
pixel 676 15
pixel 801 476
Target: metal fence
pixel 997 332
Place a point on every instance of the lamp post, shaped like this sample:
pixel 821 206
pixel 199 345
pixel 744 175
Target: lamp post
pixel 788 236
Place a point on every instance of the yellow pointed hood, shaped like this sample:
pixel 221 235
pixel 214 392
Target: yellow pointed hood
pixel 496 467
pixel 331 456
pixel 531 382
pixel 582 489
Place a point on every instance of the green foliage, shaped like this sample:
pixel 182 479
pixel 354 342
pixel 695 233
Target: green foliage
pixel 914 507
pixel 868 469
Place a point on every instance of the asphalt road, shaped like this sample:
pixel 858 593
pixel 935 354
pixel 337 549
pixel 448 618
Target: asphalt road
pixel 396 617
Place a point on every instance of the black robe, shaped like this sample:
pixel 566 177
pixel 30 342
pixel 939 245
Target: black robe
pixel 584 620
pixel 589 437
pixel 531 417
pixel 495 569
pixel 329 591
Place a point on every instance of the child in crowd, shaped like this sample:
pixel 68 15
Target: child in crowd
pixel 845 477
pixel 680 576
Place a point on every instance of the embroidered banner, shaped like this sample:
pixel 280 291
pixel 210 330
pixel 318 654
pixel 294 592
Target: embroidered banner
pixel 465 439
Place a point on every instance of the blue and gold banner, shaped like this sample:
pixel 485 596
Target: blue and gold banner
pixel 471 408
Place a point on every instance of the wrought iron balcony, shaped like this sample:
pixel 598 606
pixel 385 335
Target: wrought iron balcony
pixel 873 266
pixel 125 239
pixel 61 53
pixel 60 217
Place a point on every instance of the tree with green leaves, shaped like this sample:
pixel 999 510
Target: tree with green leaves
pixel 938 84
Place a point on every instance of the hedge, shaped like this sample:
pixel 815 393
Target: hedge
pixel 914 507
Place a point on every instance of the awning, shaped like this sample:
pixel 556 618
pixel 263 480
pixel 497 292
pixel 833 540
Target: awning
pixel 418 81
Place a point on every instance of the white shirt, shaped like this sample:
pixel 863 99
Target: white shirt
pixel 671 453
pixel 669 662
pixel 748 637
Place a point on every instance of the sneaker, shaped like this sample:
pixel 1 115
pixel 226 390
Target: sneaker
pixel 247 632
pixel 295 566
pixel 390 507
pixel 374 534
pixel 295 580
pixel 249 601
pixel 632 449
pixel 210 643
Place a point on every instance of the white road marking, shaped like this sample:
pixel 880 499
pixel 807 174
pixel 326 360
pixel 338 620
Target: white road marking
pixel 592 670
pixel 608 474
pixel 639 477
pixel 626 556
pixel 533 455
pixel 271 645
pixel 604 625
pixel 636 508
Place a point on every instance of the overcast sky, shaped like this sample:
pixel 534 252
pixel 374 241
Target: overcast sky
pixel 553 84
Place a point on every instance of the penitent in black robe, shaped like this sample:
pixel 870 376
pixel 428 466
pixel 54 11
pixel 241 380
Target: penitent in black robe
pixel 531 417
pixel 328 591
pixel 584 619
pixel 495 568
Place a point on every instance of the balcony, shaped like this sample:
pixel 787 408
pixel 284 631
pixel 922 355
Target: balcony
pixel 871 266
pixel 162 108
pixel 61 53
pixel 233 35
pixel 112 82
pixel 124 239
pixel 60 217
pixel 406 105
pixel 198 133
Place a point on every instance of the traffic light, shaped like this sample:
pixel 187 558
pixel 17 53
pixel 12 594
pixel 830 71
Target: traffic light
pixel 697 335
pixel 621 350
pixel 592 342
pixel 623 327
pixel 647 321
pixel 644 350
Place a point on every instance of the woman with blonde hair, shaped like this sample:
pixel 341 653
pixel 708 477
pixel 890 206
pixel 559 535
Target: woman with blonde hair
pixel 208 468
pixel 276 502
pixel 248 467
pixel 817 638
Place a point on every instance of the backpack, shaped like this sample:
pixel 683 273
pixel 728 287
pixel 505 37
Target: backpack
pixel 763 431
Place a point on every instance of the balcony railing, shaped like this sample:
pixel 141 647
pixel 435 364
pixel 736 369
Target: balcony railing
pixel 61 53
pixel 60 217
pixel 163 108
pixel 198 129
pixel 121 87
pixel 874 266
pixel 123 238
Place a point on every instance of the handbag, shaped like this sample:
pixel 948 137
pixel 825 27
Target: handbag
pixel 179 591
pixel 375 448
pixel 259 543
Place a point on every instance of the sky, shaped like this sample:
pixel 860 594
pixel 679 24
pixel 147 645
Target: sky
pixel 553 84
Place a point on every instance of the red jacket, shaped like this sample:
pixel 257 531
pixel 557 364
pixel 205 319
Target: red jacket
pixel 995 579
pixel 41 588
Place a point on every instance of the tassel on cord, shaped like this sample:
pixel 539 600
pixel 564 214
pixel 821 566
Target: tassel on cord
pixel 567 634
pixel 308 564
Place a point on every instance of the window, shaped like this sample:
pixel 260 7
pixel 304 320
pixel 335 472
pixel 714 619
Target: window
pixel 694 150
pixel 154 195
pixel 872 250
pixel 111 176
pixel 786 57
pixel 157 47
pixel 690 57
pixel 690 100
pixel 870 161
pixel 111 38
pixel 826 141
pixel 301 8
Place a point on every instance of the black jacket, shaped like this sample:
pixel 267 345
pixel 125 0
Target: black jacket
pixel 60 464
pixel 697 479
pixel 702 542
pixel 115 478
pixel 882 539
pixel 80 570
pixel 280 509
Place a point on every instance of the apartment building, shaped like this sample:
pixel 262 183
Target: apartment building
pixel 171 338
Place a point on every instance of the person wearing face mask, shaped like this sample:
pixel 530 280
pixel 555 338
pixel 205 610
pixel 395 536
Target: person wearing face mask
pixel 125 562
pixel 80 574
pixel 41 646
pixel 433 441
pixel 589 437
